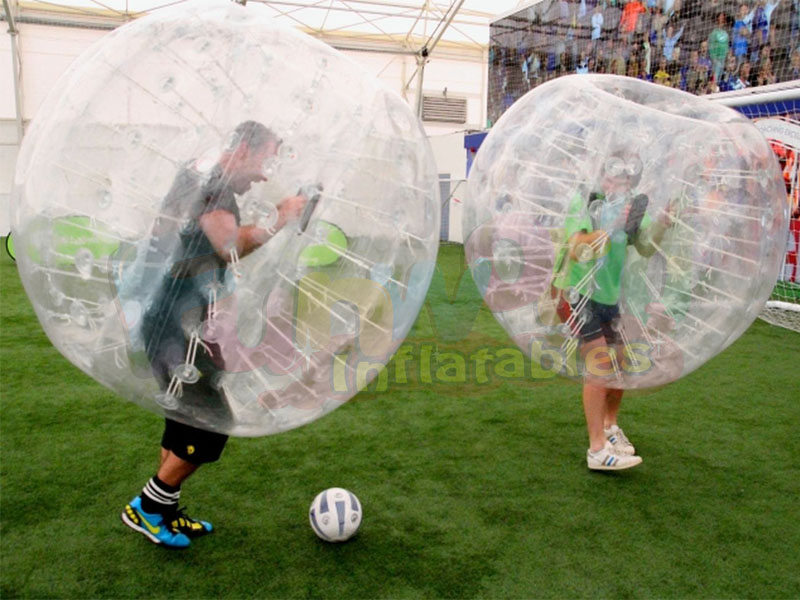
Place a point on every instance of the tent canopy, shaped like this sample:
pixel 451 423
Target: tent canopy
pixel 401 26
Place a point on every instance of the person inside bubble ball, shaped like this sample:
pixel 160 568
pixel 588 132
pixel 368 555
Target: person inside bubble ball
pixel 598 233
pixel 196 237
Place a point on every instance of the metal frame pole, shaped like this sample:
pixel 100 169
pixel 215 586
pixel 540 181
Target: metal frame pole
pixel 425 51
pixel 13 32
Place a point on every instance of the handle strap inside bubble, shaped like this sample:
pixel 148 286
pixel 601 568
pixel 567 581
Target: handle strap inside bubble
pixel 313 193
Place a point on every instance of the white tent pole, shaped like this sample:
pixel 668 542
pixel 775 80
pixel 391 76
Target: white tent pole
pixel 13 32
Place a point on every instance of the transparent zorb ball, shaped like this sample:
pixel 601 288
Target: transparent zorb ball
pixel 650 217
pixel 123 159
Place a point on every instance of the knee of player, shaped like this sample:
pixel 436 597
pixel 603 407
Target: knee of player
pixel 600 359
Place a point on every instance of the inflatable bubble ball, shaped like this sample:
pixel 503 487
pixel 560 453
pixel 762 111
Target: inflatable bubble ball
pixel 623 232
pixel 223 219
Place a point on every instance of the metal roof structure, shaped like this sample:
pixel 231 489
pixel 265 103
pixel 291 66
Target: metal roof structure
pixel 455 28
pixel 395 26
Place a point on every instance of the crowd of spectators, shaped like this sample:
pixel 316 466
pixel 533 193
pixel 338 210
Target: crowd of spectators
pixel 699 46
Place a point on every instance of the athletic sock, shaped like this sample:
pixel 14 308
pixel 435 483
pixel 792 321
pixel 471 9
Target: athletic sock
pixel 159 497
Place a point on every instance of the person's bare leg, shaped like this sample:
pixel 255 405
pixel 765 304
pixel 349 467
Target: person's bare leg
pixel 613 402
pixel 595 404
pixel 594 408
pixel 174 470
pixel 600 406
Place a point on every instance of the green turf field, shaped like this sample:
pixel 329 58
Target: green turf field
pixel 788 292
pixel 471 488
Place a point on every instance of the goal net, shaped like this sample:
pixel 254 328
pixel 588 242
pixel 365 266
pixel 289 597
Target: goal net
pixel 776 112
pixel 745 55
pixel 699 46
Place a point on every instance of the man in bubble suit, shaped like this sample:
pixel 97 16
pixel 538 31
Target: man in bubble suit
pixel 196 238
pixel 598 233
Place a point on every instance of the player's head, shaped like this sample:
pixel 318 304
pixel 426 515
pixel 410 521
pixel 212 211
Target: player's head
pixel 250 149
pixel 253 134
pixel 622 171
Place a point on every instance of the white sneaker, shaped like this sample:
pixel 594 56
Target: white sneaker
pixel 619 440
pixel 607 459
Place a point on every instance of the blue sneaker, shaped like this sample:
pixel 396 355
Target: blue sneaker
pixel 154 526
pixel 191 528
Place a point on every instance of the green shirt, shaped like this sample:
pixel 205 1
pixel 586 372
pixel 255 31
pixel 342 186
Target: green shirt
pixel 604 285
pixel 718 44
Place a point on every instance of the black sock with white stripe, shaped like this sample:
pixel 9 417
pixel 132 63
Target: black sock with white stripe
pixel 159 497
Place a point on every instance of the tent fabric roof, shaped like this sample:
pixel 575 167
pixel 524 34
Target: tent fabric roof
pixel 388 25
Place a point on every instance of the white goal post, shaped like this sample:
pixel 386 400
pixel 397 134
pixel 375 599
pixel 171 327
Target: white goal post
pixel 776 112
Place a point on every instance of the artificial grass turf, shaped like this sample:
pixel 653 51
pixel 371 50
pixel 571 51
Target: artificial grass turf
pixel 469 489
pixel 788 292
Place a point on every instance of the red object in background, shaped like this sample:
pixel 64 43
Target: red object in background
pixel 791 255
pixel 788 159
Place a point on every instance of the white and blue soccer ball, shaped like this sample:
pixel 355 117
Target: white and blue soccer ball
pixel 335 515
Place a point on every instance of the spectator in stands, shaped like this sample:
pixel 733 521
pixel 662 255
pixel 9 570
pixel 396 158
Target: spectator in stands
pixel 600 60
pixel 525 66
pixel 729 74
pixel 671 40
pixel 629 19
pixel 535 68
pixel 711 88
pixel 645 21
pixel 696 74
pixel 597 27
pixel 718 44
pixel 709 9
pixel 779 43
pixel 767 7
pixel 691 17
pixel 585 36
pixel 662 76
pixel 657 25
pixel 704 59
pixel 742 30
pixel 583 64
pixel 571 26
pixel 677 70
pixel 644 70
pixel 616 64
pixel 647 57
pixel 760 28
pixel 672 8
pixel 742 80
pixel 767 52
pixel 761 25
pixel 766 76
pixel 565 63
pixel 632 69
pixel 611 17
pixel 794 65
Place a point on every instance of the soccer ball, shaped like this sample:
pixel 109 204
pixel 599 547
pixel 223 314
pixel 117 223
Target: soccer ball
pixel 335 515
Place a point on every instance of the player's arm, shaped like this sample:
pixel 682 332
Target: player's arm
pixel 576 230
pixel 648 238
pixel 220 227
pixel 580 240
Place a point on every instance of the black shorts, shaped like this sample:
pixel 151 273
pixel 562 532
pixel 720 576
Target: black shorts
pixel 597 321
pixel 193 445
